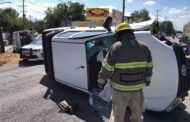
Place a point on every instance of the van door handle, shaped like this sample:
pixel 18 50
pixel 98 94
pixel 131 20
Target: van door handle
pixel 80 67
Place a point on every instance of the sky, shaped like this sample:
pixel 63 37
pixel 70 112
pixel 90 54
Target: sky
pixel 176 11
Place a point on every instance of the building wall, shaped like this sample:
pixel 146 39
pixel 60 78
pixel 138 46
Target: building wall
pixel 116 15
pixel 97 13
pixel 100 14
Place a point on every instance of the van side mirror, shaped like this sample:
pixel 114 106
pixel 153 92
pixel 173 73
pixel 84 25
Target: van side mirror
pixel 108 23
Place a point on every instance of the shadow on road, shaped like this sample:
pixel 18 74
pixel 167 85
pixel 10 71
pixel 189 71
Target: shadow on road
pixel 86 113
pixel 26 63
pixel 177 115
pixel 62 92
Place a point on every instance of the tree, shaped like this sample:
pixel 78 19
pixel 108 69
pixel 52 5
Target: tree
pixel 140 16
pixel 167 27
pixel 76 11
pixel 155 27
pixel 163 27
pixel 8 16
pixel 63 13
pixel 10 20
pixel 38 26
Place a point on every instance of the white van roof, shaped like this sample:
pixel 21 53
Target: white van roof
pixel 77 36
pixel 81 40
pixel 81 32
pixel 75 28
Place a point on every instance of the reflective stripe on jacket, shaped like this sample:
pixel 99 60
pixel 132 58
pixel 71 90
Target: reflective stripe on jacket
pixel 129 66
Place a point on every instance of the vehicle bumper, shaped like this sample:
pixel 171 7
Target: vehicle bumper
pixel 30 54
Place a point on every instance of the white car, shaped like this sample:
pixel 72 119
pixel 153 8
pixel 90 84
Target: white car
pixel 76 57
pixel 34 50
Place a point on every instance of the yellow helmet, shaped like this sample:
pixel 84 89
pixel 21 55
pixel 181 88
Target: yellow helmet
pixel 122 26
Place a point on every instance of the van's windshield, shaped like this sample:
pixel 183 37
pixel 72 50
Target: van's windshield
pixel 96 52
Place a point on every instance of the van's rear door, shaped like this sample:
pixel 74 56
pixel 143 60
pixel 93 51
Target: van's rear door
pixel 69 61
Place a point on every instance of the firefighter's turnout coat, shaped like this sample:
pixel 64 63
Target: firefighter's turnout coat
pixel 128 64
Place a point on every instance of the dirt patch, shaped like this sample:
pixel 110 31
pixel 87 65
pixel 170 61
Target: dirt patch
pixel 9 58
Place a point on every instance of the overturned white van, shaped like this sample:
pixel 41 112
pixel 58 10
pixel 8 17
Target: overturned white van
pixel 72 58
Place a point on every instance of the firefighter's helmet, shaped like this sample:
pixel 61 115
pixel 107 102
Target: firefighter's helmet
pixel 122 26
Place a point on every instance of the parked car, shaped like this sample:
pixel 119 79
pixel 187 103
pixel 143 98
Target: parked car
pixel 34 50
pixel 75 61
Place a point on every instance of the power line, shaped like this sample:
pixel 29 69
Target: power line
pixel 35 11
pixel 30 23
pixel 30 2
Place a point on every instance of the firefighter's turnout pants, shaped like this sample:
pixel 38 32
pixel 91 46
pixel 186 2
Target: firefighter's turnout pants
pixel 122 100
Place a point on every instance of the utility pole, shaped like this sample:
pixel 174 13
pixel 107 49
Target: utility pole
pixel 123 17
pixel 30 23
pixel 23 10
pixel 157 15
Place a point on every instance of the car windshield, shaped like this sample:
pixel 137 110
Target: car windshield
pixel 39 42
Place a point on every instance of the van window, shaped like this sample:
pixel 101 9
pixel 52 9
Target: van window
pixel 88 33
pixel 67 34
pixel 101 44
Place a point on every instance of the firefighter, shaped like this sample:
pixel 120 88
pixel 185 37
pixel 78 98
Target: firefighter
pixel 129 65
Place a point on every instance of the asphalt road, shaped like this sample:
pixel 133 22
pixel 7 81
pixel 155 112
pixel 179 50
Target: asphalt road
pixel 24 89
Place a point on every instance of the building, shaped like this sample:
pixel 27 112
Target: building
pixel 100 14
pixel 129 19
pixel 96 17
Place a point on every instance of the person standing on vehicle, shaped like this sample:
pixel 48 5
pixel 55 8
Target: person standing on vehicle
pixel 129 65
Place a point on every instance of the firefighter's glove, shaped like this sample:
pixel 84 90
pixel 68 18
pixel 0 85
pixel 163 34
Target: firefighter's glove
pixel 147 83
pixel 101 83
